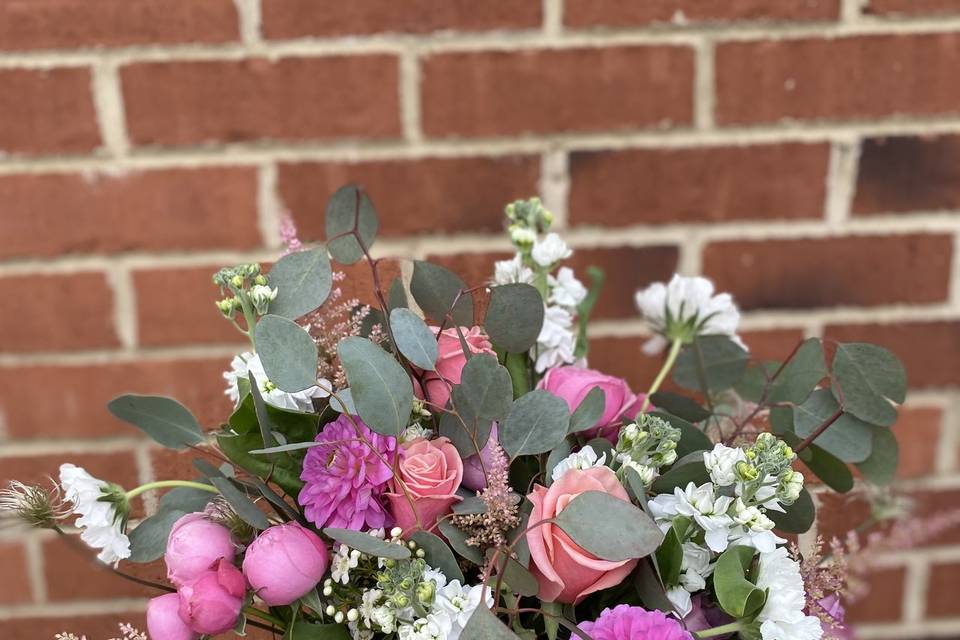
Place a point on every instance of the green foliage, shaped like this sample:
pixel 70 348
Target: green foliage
pixel 397 296
pixel 736 594
pixel 881 467
pixel 691 438
pixel 869 377
pixel 303 280
pixel 485 386
pixel 438 554
pixel 379 386
pixel 351 224
pixel 515 574
pixel 163 419
pixel 799 375
pixel 458 541
pixel 680 406
pixel 287 352
pixel 243 505
pixel 713 362
pixel 483 625
pixel 514 317
pixel 687 469
pixel 537 422
pixel 561 451
pixel 847 438
pixel 634 536
pixel 468 432
pixel 435 289
pixel 303 630
pixel 585 309
pixel 414 339
pixel 670 553
pixel 366 543
pixel 799 516
pixel 589 411
pixel 149 540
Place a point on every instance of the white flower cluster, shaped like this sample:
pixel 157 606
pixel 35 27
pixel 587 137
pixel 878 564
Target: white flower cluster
pixel 586 458
pixel 245 363
pixel 782 616
pixel 452 608
pixel 102 525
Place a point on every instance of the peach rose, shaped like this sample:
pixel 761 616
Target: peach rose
pixel 451 361
pixel 431 471
pixel 566 572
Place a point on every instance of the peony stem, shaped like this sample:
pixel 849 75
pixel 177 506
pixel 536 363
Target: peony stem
pixel 263 615
pixel 162 484
pixel 724 629
pixel 664 370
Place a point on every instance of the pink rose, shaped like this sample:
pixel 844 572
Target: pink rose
pixel 211 602
pixel 451 361
pixel 566 572
pixel 574 383
pixel 284 563
pixel 193 547
pixel 431 471
pixel 163 620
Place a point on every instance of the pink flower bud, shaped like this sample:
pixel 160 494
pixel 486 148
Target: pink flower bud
pixel 163 620
pixel 284 563
pixel 194 546
pixel 211 602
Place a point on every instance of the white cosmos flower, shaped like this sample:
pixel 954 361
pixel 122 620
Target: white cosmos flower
pixel 551 250
pixel 565 289
pixel 782 617
pixel 722 463
pixel 511 271
pixel 245 363
pixel 102 528
pixel 686 307
pixel 557 340
pixel 583 459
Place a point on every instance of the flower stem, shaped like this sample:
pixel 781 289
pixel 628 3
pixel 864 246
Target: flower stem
pixel 724 629
pixel 667 366
pixel 162 484
pixel 263 615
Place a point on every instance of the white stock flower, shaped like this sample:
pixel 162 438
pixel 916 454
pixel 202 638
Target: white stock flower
pixel 245 363
pixel 646 473
pixel 565 289
pixel 511 271
pixel 583 459
pixel 782 616
pixel 415 432
pixel 436 576
pixel 551 250
pixel 706 509
pixel 433 627
pixel 385 618
pixel 722 463
pixel 756 528
pixel 686 307
pixel 102 526
pixel 261 296
pixel 457 603
pixel 557 340
pixel 695 567
pixel 681 600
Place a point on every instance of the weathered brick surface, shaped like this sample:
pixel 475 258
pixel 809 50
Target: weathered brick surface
pixel 15 586
pixel 896 8
pixel 617 13
pixel 942 601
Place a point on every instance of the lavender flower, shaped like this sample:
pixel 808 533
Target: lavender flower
pixel 345 477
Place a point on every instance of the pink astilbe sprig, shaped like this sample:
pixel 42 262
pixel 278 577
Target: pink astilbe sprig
pixel 489 529
pixel 127 632
pixel 288 235
pixel 824 575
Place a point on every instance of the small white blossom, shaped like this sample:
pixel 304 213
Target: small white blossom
pixel 385 618
pixel 522 236
pixel 457 603
pixel 782 616
pixel 102 525
pixel 415 431
pixel 583 459
pixel 368 604
pixel 680 598
pixel 703 506
pixel 756 530
pixel 551 250
pixel 245 363
pixel 565 289
pixel 434 627
pixel 790 487
pixel 557 340
pixel 261 296
pixel 342 562
pixel 722 464
pixel 646 473
pixel 695 567
pixel 512 271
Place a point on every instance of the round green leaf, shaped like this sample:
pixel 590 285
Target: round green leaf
pixel 414 339
pixel 680 406
pixel 483 625
pixel 163 419
pixel 800 374
pixel 351 224
pixel 537 422
pixel 589 411
pixel 303 630
pixel 687 469
pixel 634 536
pixel 287 352
pixel 514 317
pixel 869 377
pixel 486 386
pixel 149 540
pixel 716 361
pixel 303 280
pixel 379 387
pixel 458 540
pixel 847 438
pixel 737 596
pixel 881 467
pixel 435 288
pixel 243 505
pixel 439 556
pixel 799 516
pixel 366 543
pixel 468 432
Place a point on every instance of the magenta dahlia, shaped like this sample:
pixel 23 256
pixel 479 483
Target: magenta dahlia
pixel 624 622
pixel 345 476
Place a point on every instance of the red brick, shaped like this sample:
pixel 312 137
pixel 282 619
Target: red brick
pixel 709 184
pixel 425 196
pixel 617 13
pixel 771 344
pixel 191 103
pixel 118 467
pixel 95 626
pixel 502 93
pixel 56 312
pixel 942 601
pixel 15 586
pixel 78 407
pixel 873 76
pixel 918 434
pixel 824 272
pixel 176 209
pixel 622 356
pixel 933 518
pixel 71 557
pixel 911 7
pixel 884 600
pixel 56 24
pixel 47 111
pixel 930 351
pixel 904 174
pixel 300 18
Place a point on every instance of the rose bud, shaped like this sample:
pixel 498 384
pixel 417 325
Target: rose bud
pixel 211 602
pixel 163 620
pixel 284 563
pixel 194 546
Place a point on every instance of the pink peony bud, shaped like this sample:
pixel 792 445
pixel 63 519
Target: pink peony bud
pixel 284 563
pixel 211 602
pixel 194 546
pixel 163 620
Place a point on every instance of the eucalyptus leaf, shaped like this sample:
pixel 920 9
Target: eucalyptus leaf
pixel 303 630
pixel 263 418
pixel 185 499
pixel 514 317
pixel 351 224
pixel 468 432
pixel 342 402
pixel 244 506
pixel 287 352
pixel 435 288
pixel 149 540
pixel 869 378
pixel 589 411
pixel 670 556
pixel 687 469
pixel 303 280
pixel 379 386
pixel 680 406
pixel 649 587
pixel 414 339
pixel 800 374
pixel 716 361
pixel 486 386
pixel 163 419
pixel 799 516
pixel 537 422
pixel 881 467
pixel 458 540
pixel 438 554
pixel 561 451
pixel 366 543
pixel 515 574
pixel 634 536
pixel 483 625
pixel 755 381
pixel 847 438
pixel 585 310
pixel 397 296
pixel 736 594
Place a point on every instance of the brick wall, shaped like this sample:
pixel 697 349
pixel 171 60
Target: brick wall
pixel 803 153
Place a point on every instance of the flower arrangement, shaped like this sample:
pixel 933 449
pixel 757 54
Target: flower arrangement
pixel 443 464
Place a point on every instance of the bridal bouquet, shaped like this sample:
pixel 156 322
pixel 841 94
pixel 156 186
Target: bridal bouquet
pixel 444 464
